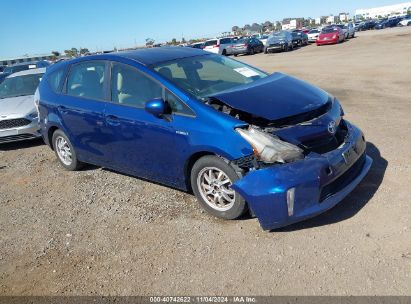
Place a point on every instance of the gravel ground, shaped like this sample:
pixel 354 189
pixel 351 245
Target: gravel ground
pixel 100 232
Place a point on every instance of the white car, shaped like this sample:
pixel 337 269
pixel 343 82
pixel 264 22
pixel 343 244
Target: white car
pixel 405 22
pixel 313 35
pixel 18 113
pixel 218 45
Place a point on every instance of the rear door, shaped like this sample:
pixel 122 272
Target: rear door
pixel 81 109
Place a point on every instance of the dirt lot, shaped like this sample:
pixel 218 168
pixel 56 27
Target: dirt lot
pixel 100 232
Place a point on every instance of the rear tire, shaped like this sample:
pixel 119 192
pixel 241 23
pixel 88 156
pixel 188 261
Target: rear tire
pixel 252 51
pixel 65 152
pixel 265 51
pixel 211 178
pixel 224 53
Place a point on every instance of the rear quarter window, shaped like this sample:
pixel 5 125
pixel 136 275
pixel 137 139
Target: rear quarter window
pixel 210 43
pixel 55 79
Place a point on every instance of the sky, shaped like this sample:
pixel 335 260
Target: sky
pixel 42 26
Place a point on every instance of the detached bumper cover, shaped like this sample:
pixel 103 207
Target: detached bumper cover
pixel 320 182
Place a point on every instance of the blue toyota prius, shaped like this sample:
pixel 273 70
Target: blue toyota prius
pixel 241 139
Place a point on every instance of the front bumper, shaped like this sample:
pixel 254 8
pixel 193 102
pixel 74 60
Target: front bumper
pixel 30 131
pixel 331 41
pixel 319 181
pixel 277 47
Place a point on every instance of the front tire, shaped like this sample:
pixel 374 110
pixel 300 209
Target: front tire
pixel 211 180
pixel 65 152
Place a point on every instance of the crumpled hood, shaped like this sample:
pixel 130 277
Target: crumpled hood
pixel 13 106
pixel 274 97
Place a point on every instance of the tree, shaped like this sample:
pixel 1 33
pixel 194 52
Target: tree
pixel 55 53
pixel 73 52
pixel 246 27
pixel 278 26
pixel 174 41
pixel 84 51
pixel 267 24
pixel 183 40
pixel 235 29
pixel 149 41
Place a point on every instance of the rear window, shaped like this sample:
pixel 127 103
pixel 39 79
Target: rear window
pixel 210 43
pixel 225 40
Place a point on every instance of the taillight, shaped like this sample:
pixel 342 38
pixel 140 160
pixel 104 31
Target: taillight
pixel 217 46
pixel 246 45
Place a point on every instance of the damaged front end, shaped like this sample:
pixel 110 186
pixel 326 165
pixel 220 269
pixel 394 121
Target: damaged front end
pixel 302 164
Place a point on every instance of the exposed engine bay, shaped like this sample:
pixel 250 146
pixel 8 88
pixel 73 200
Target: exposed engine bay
pixel 271 141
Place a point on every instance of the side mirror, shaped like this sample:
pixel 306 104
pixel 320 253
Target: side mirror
pixel 157 107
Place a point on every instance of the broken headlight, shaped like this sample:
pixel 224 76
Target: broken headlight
pixel 270 149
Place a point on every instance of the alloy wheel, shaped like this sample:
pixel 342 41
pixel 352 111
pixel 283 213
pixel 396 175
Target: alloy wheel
pixel 63 151
pixel 215 188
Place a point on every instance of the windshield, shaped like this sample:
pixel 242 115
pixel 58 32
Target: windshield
pixel 205 75
pixel 19 85
pixel 328 30
pixel 279 35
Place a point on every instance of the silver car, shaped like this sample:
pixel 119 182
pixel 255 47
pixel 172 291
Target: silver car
pixel 18 113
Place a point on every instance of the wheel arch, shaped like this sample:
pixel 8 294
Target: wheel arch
pixel 50 133
pixel 189 165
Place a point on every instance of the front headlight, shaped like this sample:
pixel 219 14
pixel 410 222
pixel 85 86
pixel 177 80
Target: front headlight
pixel 270 149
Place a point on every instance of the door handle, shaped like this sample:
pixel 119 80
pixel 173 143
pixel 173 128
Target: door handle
pixel 62 109
pixel 112 120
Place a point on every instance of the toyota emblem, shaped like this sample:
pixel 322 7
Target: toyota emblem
pixel 331 127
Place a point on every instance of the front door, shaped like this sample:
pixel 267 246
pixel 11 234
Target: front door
pixel 140 143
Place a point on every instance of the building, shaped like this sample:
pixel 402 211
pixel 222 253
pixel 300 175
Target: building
pixel 320 20
pixel 384 11
pixel 10 61
pixel 332 19
pixel 344 17
pixel 292 24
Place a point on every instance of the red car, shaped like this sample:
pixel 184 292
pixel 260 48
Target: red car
pixel 330 35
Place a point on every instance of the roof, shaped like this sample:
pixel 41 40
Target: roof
pixel 25 63
pixel 156 55
pixel 28 72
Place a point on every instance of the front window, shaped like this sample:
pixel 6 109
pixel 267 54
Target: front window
pixel 203 76
pixel 132 88
pixel 19 85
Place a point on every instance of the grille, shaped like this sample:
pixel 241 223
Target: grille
pixel 327 142
pixel 12 138
pixel 14 123
pixel 342 181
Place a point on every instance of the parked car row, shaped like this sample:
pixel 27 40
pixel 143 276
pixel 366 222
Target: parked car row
pixel 378 24
pixel 276 41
